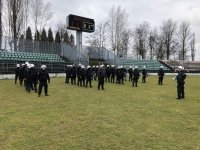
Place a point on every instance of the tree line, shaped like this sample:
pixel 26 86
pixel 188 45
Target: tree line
pixel 18 18
pixel 170 41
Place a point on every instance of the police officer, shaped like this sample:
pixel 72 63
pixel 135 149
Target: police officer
pixel 88 76
pixel 108 73
pixel 82 76
pixel 136 76
pixel 160 75
pixel 79 75
pixel 180 83
pixel 22 74
pixel 144 74
pixel 101 75
pixel 43 76
pixel 113 73
pixel 17 72
pixel 130 72
pixel 73 75
pixel 27 78
pixel 33 77
pixel 68 74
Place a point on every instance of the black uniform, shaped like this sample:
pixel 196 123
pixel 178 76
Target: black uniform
pixel 108 73
pixel 82 76
pixel 136 76
pixel 68 74
pixel 180 84
pixel 17 72
pixel 73 75
pixel 43 76
pixel 33 78
pixel 88 77
pixel 113 73
pixel 144 75
pixel 101 75
pixel 21 74
pixel 130 72
pixel 160 76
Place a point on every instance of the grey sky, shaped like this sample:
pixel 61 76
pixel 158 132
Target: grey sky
pixel 153 11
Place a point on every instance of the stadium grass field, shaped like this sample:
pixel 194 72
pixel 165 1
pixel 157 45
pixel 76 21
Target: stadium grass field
pixel 121 117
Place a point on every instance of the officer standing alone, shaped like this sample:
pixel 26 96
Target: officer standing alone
pixel 180 83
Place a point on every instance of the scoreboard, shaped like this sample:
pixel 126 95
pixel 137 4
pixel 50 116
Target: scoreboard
pixel 79 23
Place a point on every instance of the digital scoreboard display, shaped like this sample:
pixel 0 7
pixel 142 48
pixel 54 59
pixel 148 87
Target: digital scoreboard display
pixel 79 23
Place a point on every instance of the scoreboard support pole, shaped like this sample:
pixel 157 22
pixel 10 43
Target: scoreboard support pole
pixel 79 45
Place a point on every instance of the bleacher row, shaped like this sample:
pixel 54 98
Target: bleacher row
pixel 190 66
pixel 152 65
pixel 25 56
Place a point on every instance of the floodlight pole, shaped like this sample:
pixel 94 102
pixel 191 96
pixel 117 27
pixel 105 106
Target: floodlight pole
pixel 79 45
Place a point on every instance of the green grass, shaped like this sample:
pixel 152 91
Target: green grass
pixel 121 117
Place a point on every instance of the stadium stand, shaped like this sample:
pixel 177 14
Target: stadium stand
pixel 190 66
pixel 151 65
pixel 25 56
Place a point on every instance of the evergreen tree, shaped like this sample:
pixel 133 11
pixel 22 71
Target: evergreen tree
pixel 28 34
pixel 43 35
pixel 66 38
pixel 37 36
pixel 21 43
pixel 50 35
pixel 72 42
pixel 57 38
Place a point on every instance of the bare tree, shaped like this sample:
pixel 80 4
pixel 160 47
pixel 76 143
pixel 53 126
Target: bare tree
pixel 153 35
pixel 1 31
pixel 184 36
pixel 117 25
pixel 41 13
pixel 192 46
pixel 26 14
pixel 15 15
pixel 159 48
pixel 168 31
pixel 140 39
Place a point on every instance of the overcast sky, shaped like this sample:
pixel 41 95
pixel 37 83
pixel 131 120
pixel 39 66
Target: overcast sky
pixel 153 11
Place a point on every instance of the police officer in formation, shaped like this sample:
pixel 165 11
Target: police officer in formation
pixel 43 77
pixel 108 73
pixel 89 76
pixel 33 78
pixel 144 74
pixel 136 76
pixel 113 73
pixel 180 83
pixel 17 70
pixel 73 74
pixel 22 74
pixel 101 75
pixel 160 75
pixel 130 72
pixel 68 74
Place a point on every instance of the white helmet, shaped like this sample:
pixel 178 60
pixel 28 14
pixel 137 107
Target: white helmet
pixel 180 67
pixel 82 66
pixel 161 67
pixel 26 63
pixel 23 64
pixel 43 67
pixel 101 66
pixel 32 65
pixel 113 66
pixel 93 66
pixel 29 66
pixel 136 67
pixel 88 67
pixel 108 66
pixel 144 67
pixel 97 66
pixel 18 65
